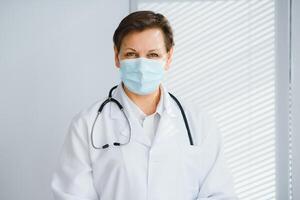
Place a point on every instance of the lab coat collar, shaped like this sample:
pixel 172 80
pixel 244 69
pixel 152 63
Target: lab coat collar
pixel 135 110
pixel 169 104
pixel 165 127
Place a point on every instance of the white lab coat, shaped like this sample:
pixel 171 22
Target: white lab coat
pixel 168 169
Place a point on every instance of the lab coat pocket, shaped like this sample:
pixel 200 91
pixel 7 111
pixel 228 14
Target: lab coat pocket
pixel 192 157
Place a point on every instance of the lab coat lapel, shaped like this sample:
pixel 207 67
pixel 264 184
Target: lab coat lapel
pixel 123 129
pixel 167 128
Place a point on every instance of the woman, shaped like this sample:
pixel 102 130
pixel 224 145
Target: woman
pixel 142 143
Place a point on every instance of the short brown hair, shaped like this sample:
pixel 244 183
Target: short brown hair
pixel 141 20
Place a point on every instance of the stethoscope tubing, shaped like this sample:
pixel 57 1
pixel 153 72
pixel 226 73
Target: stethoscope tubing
pixel 111 99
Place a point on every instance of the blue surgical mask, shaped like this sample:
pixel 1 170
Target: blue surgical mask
pixel 142 75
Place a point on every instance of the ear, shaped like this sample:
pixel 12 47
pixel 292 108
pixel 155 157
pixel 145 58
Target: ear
pixel 169 58
pixel 117 61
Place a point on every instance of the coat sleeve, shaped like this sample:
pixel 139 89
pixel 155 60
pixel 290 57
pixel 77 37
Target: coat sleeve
pixel 218 182
pixel 72 179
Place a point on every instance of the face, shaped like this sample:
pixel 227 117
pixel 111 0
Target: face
pixel 148 44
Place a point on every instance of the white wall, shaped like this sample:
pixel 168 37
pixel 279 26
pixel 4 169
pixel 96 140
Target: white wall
pixel 56 58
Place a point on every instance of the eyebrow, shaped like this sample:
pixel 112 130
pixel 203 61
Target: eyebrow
pixel 154 49
pixel 131 49
pixel 149 50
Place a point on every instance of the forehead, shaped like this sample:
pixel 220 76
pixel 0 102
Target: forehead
pixel 144 40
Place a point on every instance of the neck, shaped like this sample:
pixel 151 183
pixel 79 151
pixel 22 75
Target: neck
pixel 147 103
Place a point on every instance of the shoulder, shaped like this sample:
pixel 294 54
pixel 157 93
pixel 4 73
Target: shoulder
pixel 86 114
pixel 80 124
pixel 202 123
pixel 195 111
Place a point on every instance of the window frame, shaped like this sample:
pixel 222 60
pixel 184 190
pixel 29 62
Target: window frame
pixel 282 51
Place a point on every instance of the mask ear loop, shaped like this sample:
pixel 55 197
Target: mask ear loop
pixel 163 62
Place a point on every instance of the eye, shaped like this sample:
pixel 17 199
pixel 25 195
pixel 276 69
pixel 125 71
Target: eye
pixel 129 54
pixel 153 55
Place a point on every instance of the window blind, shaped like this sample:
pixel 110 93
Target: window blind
pixel 224 60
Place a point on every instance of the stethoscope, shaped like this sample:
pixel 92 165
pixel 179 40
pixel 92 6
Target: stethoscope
pixel 111 99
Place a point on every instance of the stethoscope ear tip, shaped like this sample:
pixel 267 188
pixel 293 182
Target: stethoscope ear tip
pixel 117 144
